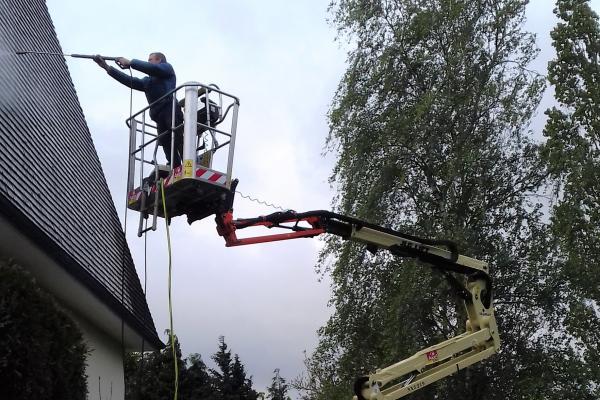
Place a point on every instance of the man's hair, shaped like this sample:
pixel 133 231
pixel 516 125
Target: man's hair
pixel 160 55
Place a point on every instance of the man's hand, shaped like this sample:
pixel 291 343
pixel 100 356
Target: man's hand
pixel 101 62
pixel 123 62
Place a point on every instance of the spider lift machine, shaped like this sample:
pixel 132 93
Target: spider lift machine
pixel 198 189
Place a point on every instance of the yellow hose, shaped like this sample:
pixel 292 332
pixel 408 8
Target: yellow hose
pixel 162 190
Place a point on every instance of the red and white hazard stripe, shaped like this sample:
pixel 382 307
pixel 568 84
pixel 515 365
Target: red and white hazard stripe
pixel 134 196
pixel 211 176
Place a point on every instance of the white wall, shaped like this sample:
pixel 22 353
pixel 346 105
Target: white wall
pixel 100 326
pixel 104 363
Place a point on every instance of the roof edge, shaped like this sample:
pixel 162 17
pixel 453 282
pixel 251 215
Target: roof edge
pixel 62 258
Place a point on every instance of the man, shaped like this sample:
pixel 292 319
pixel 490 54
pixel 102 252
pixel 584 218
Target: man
pixel 160 80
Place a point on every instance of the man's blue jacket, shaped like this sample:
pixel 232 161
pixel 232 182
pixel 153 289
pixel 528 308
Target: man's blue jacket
pixel 160 80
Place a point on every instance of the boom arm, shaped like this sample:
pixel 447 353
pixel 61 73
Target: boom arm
pixel 479 341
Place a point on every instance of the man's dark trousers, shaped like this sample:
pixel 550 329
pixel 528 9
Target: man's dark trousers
pixel 163 123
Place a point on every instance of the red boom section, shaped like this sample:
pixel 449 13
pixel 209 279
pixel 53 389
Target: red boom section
pixel 227 226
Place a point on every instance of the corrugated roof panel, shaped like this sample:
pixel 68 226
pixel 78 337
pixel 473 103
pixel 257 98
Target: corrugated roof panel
pixel 43 138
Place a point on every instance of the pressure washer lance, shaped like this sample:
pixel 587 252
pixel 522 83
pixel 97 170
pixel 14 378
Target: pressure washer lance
pixel 19 53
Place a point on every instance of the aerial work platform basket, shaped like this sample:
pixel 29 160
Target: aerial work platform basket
pixel 202 185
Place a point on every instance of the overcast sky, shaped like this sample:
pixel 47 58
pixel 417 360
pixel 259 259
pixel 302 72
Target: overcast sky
pixel 281 60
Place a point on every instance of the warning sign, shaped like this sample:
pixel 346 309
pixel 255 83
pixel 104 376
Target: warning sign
pixel 187 168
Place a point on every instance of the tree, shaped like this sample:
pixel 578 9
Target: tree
pixel 230 381
pixel 222 377
pixel 150 375
pixel 572 154
pixel 279 388
pixel 242 385
pixel 196 382
pixel 430 127
pixel 42 352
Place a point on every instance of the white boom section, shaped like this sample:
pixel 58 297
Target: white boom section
pixel 386 241
pixel 480 341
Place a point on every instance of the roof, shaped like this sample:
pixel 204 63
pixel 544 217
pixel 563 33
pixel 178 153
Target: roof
pixel 70 214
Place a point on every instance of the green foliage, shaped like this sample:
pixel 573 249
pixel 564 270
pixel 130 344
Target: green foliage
pixel 196 381
pixel 223 374
pixel 230 381
pixel 279 388
pixel 572 151
pixel 151 377
pixel 42 353
pixel 572 154
pixel 430 126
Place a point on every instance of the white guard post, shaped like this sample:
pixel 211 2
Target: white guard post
pixel 131 165
pixel 190 127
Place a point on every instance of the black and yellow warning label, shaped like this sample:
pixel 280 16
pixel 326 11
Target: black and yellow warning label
pixel 187 168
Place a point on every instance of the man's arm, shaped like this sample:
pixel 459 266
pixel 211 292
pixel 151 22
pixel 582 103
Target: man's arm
pixel 162 70
pixel 129 81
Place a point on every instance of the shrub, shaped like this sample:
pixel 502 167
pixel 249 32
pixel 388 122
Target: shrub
pixel 42 353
